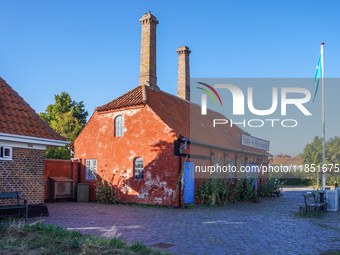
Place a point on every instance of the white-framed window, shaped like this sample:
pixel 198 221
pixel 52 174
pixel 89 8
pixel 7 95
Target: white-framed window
pixel 90 169
pixel 218 167
pixel 6 153
pixel 138 169
pixel 218 161
pixel 119 126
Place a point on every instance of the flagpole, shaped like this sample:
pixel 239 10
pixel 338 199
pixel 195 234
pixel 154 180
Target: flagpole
pixel 323 122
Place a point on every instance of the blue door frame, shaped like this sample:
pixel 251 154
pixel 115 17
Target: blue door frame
pixel 189 182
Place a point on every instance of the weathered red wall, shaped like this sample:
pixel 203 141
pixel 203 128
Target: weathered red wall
pixel 60 168
pixel 145 136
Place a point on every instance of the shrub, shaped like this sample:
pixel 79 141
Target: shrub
pixel 221 191
pixel 207 192
pixel 271 185
pixel 244 189
pixel 105 191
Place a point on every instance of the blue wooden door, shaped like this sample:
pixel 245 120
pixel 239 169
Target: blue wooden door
pixel 189 182
pixel 252 174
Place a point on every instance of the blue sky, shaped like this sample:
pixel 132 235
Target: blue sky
pixel 91 48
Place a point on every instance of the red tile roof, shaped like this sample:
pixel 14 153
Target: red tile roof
pixel 286 160
pixel 176 112
pixel 18 118
pixel 131 98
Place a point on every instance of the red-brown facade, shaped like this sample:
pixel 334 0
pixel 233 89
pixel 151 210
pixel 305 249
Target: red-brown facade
pixel 151 128
pixel 145 136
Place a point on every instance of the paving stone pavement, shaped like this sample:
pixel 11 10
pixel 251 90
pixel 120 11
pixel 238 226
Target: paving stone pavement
pixel 268 227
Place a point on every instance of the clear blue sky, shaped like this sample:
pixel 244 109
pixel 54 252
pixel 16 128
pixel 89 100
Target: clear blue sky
pixel 91 48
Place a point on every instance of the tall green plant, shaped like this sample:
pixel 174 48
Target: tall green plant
pixel 244 189
pixel 105 190
pixel 267 188
pixel 215 191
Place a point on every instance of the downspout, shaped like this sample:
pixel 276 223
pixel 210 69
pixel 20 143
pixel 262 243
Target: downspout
pixel 79 170
pixel 180 168
pixel 71 177
pixel 180 181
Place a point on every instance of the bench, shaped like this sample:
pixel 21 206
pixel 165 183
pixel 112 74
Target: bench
pixel 17 206
pixel 312 202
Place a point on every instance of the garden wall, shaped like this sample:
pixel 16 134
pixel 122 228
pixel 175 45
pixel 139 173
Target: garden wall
pixel 60 168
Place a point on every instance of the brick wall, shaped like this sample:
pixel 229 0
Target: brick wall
pixel 60 168
pixel 183 87
pixel 115 156
pixel 25 173
pixel 148 72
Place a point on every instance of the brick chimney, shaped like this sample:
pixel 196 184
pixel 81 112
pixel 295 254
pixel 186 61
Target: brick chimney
pixel 148 51
pixel 183 89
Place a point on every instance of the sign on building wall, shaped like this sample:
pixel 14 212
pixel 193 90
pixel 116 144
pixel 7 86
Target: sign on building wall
pixel 254 142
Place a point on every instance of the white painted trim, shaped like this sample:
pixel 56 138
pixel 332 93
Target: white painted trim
pixel 31 140
pixel 22 145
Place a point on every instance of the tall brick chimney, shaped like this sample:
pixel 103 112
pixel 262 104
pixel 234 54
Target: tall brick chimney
pixel 183 89
pixel 148 51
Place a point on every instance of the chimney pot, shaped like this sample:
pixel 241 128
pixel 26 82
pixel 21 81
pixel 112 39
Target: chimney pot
pixel 183 88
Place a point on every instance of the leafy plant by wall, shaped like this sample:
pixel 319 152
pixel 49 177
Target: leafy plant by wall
pixel 105 190
pixel 267 188
pixel 220 191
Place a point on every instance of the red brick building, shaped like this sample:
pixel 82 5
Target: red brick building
pixel 24 137
pixel 286 160
pixel 142 139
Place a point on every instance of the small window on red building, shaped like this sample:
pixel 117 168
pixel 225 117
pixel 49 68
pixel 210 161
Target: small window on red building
pixel 119 126
pixel 90 169
pixel 138 169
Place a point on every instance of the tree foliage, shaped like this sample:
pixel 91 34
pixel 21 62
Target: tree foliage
pixel 312 153
pixel 334 149
pixel 68 118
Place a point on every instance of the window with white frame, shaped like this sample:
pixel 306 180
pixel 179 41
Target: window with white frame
pixel 218 167
pixel 138 169
pixel 5 153
pixel 90 169
pixel 218 161
pixel 119 126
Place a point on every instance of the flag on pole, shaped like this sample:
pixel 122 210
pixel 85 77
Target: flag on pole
pixel 318 76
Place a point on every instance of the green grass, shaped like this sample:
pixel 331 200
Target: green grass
pixel 309 214
pixel 18 238
pixel 335 252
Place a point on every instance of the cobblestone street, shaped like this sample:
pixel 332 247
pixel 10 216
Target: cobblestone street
pixel 268 227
